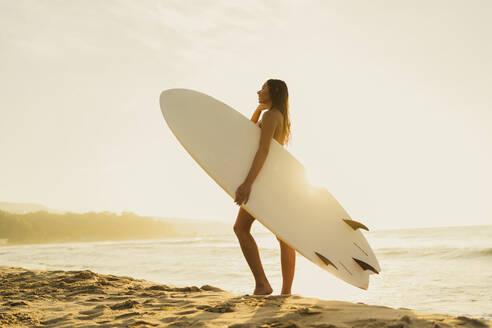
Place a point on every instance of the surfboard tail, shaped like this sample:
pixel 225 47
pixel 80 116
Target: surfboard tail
pixel 365 266
pixel 325 260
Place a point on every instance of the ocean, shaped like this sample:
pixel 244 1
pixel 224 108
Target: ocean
pixel 439 270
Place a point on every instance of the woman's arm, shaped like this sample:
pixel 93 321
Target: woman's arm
pixel 256 116
pixel 257 113
pixel 268 128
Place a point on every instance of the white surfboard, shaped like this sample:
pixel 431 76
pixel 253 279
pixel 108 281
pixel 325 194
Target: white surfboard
pixel 223 142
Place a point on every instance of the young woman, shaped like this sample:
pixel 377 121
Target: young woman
pixel 274 99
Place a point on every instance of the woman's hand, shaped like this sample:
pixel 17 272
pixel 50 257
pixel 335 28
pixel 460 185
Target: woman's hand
pixel 242 193
pixel 256 116
pixel 261 107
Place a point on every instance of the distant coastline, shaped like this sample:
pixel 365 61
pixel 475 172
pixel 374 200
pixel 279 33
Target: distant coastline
pixel 45 227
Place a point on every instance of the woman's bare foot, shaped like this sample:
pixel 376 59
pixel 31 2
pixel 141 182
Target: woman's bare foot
pixel 263 290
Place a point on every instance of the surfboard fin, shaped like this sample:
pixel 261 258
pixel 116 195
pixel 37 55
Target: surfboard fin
pixel 325 260
pixel 355 225
pixel 365 266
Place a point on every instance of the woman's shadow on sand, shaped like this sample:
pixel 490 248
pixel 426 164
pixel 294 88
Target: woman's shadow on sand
pixel 263 309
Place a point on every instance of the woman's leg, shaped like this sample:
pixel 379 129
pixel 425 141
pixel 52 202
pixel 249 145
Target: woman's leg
pixel 288 261
pixel 242 229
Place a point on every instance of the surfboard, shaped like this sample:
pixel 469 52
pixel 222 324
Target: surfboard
pixel 308 218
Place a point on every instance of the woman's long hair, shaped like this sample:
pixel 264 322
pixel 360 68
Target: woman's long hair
pixel 279 95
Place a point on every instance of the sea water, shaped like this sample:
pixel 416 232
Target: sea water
pixel 439 270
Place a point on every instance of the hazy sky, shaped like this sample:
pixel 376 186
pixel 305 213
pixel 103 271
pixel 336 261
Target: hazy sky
pixel 391 102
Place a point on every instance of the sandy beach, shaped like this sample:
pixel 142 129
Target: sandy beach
pixel 39 298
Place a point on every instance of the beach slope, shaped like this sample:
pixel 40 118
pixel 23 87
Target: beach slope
pixel 38 298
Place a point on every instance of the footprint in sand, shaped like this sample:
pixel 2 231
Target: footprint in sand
pixel 90 317
pixel 219 308
pixel 16 303
pixel 95 312
pixel 169 319
pixel 127 315
pixel 129 304
pixel 117 298
pixel 57 320
pixel 96 309
pixel 145 323
pixel 186 312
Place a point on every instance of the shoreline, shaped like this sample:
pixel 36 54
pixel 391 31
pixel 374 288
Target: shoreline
pixel 82 298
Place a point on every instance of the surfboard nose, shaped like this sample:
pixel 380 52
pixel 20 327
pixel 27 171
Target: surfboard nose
pixel 169 97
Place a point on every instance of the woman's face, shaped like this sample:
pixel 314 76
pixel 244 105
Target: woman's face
pixel 264 94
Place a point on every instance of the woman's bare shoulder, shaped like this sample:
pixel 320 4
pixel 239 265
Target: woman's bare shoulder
pixel 276 113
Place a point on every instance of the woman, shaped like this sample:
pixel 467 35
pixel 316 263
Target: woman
pixel 274 98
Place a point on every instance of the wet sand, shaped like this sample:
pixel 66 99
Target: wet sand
pixel 38 298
